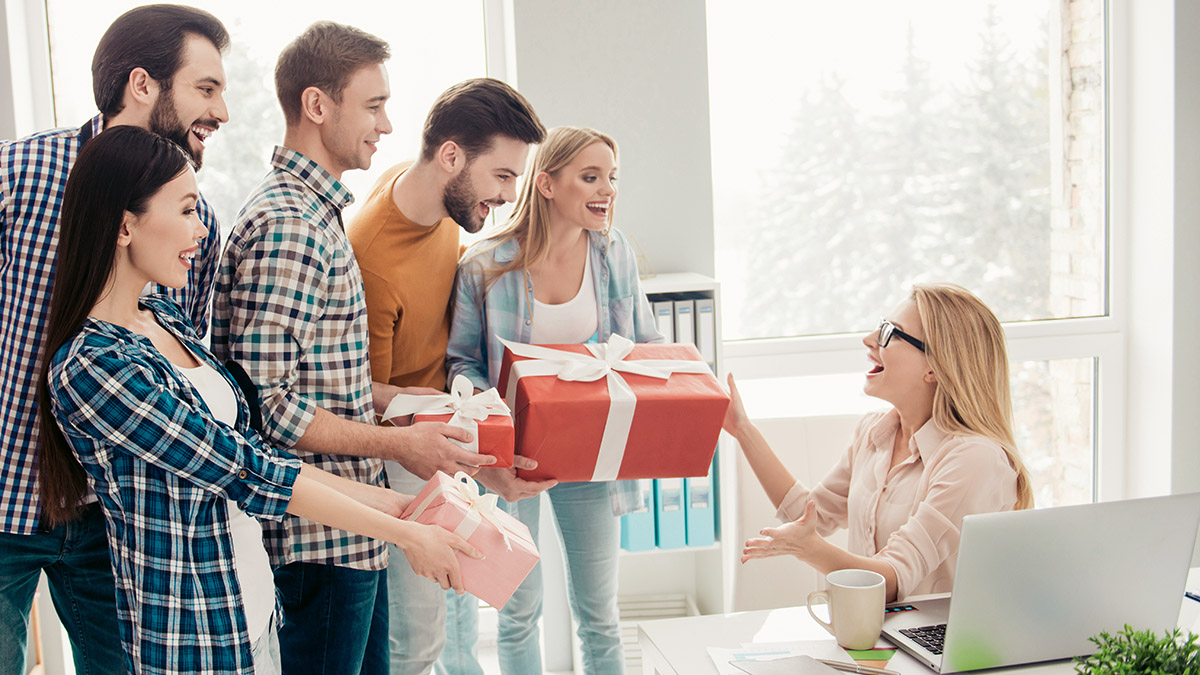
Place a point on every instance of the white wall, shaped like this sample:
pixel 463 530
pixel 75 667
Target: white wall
pixel 638 71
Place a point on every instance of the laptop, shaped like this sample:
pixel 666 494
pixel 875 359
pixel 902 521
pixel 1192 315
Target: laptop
pixel 1034 585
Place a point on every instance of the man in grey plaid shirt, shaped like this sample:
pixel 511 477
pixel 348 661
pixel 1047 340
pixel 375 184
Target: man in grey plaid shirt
pixel 289 308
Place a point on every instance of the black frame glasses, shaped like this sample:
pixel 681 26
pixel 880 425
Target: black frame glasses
pixel 887 330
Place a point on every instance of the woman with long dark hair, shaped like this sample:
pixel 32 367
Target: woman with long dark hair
pixel 133 405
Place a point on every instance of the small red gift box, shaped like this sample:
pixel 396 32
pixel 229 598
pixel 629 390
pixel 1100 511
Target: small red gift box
pixel 484 414
pixel 613 411
pixel 456 505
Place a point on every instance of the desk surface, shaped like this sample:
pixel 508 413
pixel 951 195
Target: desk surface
pixel 680 646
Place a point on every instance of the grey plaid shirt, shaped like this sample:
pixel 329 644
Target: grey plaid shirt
pixel 289 307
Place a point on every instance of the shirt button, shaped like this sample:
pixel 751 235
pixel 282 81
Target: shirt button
pixel 242 474
pixel 528 322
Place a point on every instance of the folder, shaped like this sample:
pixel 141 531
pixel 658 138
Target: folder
pixel 664 317
pixel 706 331
pixel 701 511
pixel 637 526
pixel 670 518
pixel 685 321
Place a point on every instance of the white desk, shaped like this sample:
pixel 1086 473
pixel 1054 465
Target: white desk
pixel 679 646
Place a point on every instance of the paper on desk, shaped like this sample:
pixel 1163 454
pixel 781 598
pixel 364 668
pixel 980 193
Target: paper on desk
pixel 768 651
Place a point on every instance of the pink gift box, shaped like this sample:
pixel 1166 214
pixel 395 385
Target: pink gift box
pixel 456 505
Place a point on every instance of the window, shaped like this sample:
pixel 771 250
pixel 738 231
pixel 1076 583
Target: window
pixel 958 142
pixel 238 154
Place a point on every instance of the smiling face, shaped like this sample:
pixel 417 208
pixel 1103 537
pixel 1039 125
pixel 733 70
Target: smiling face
pixel 900 372
pixel 359 121
pixel 485 182
pixel 162 241
pixel 582 192
pixel 194 106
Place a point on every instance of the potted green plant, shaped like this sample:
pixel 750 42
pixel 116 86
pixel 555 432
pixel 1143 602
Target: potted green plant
pixel 1131 652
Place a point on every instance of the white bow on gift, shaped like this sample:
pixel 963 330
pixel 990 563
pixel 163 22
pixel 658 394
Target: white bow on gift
pixel 467 410
pixel 607 360
pixel 479 508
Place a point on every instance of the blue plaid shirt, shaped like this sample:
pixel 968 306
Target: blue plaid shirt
pixel 163 470
pixel 505 311
pixel 33 175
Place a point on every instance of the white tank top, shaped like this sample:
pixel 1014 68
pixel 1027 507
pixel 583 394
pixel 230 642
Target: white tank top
pixel 249 554
pixel 573 322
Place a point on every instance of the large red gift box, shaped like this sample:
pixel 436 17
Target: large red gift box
pixel 456 505
pixel 612 411
pixel 484 414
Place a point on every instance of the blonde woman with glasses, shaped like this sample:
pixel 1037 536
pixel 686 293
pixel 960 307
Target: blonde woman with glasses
pixel 945 450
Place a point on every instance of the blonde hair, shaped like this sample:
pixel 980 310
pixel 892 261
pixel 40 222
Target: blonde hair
pixel 964 344
pixel 530 221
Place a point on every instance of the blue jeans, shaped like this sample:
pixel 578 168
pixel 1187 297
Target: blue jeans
pixel 591 543
pixel 75 559
pixel 335 619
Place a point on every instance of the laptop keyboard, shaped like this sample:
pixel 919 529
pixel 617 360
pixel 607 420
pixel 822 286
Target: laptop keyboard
pixel 929 637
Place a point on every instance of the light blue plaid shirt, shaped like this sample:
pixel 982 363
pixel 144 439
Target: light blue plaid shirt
pixel 33 176
pixel 164 471
pixel 504 312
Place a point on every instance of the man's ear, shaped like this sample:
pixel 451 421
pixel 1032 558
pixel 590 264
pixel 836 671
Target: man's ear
pixel 315 105
pixel 544 185
pixel 124 235
pixel 141 89
pixel 451 157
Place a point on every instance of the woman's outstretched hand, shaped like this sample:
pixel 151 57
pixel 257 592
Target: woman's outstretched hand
pixel 797 538
pixel 735 415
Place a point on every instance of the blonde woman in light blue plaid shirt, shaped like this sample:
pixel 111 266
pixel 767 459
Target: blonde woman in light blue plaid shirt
pixel 558 273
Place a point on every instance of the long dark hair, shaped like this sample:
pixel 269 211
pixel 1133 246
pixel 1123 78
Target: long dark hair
pixel 117 171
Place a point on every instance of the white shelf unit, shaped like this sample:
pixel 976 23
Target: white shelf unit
pixel 704 573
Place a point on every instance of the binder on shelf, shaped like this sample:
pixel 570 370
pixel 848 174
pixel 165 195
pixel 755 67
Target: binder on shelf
pixel 664 317
pixel 685 321
pixel 701 512
pixel 670 518
pixel 706 331
pixel 637 526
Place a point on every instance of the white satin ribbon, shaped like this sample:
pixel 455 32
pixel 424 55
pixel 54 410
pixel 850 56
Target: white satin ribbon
pixel 479 508
pixel 606 361
pixel 467 409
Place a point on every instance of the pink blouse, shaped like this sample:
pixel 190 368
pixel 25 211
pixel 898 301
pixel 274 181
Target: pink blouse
pixel 911 515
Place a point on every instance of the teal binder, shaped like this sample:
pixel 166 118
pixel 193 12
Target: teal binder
pixel 701 516
pixel 669 513
pixel 637 526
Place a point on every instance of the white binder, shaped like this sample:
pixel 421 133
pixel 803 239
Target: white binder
pixel 664 317
pixel 685 321
pixel 706 331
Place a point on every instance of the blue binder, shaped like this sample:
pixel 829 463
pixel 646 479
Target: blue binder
pixel 637 527
pixel 669 513
pixel 701 514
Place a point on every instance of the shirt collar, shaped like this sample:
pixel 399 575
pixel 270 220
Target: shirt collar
pixel 311 174
pixel 929 440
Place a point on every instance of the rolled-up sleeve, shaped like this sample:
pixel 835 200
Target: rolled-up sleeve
pixel 831 496
pixel 466 352
pixel 974 477
pixel 112 400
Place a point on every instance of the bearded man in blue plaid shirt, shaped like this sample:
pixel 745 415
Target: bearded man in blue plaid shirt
pixel 157 67
pixel 290 309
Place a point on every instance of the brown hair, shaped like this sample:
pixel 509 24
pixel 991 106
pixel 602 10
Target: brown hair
pixel 964 344
pixel 150 37
pixel 530 221
pixel 474 112
pixel 326 55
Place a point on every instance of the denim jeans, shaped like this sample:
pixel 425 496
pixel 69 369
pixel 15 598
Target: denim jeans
pixel 265 652
pixel 75 559
pixel 461 654
pixel 335 619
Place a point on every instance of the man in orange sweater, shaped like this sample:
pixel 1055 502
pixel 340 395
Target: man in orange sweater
pixel 406 240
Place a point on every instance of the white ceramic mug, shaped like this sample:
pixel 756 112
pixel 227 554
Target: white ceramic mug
pixel 855 599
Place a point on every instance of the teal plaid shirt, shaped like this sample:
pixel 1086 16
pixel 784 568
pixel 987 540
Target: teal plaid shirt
pixel 504 312
pixel 289 308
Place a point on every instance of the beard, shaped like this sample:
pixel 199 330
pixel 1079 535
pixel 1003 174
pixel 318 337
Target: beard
pixel 164 121
pixel 460 200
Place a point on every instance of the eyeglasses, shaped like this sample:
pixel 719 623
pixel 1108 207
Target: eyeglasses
pixel 887 330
